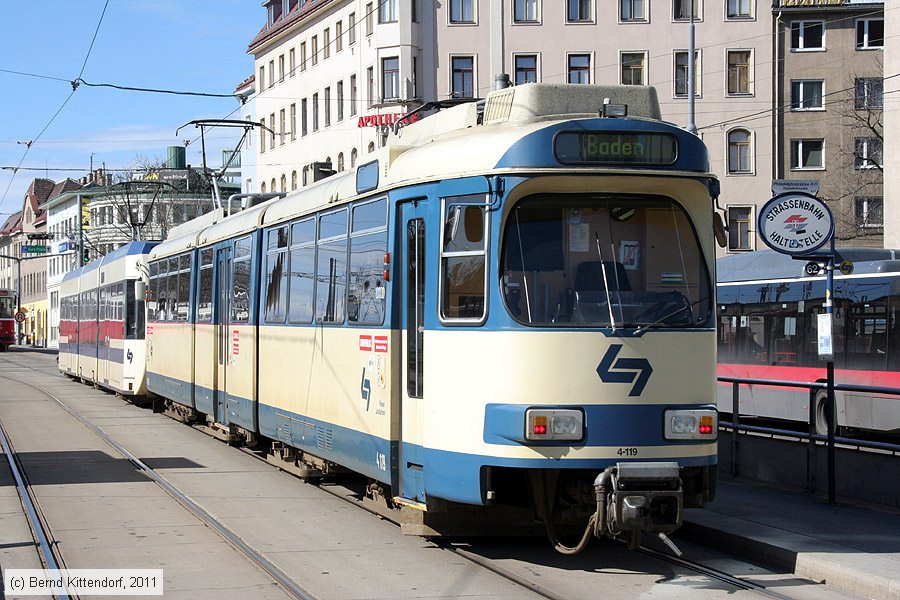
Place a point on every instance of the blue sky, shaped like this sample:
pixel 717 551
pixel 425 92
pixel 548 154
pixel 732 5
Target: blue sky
pixel 185 45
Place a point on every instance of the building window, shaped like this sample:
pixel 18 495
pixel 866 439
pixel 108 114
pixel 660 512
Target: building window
pixel 869 211
pixel 526 68
pixel 681 73
pixel 371 147
pixel 314 49
pixel 739 152
pixel 739 232
pixel 340 165
pixel 370 85
pixel 283 127
pixel 351 29
pixel 353 95
pixel 272 133
pixel 302 56
pixel 326 99
pixel 807 95
pixel 281 69
pixel 326 43
pixel 869 93
pixel 387 11
pixel 633 68
pixel 525 11
pixel 681 10
pixel 283 182
pixel 353 155
pixel 303 117
pixel 315 112
pixel 632 10
pixel 272 73
pixel 739 78
pixel 338 36
pixel 292 62
pixel 262 77
pixel 262 136
pixel 390 79
pixel 462 11
pixel 869 153
pixel 463 83
pixel 293 122
pixel 579 68
pixel 869 34
pixel 340 100
pixel 579 11
pixel 293 180
pixel 370 24
pixel 808 35
pixel 807 154
pixel 739 9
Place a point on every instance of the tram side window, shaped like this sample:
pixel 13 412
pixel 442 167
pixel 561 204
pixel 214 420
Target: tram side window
pixel 135 326
pixel 154 292
pixel 205 287
pixel 302 271
pixel 368 246
pixel 867 326
pixel 331 267
pixel 240 289
pixel 464 259
pixel 171 288
pixel 182 307
pixel 276 275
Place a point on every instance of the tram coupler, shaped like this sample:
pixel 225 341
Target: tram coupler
pixel 639 497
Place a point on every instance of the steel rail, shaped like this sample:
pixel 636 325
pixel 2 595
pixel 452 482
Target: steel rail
pixel 38 526
pixel 732 580
pixel 198 511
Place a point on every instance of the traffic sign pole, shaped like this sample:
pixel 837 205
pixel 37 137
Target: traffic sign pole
pixel 797 223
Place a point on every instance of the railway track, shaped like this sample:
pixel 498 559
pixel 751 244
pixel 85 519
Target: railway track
pixel 50 558
pixel 352 496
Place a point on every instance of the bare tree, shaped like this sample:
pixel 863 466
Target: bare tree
pixel 145 202
pixel 859 187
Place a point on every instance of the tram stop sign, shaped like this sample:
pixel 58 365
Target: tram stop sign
pixel 20 317
pixel 795 223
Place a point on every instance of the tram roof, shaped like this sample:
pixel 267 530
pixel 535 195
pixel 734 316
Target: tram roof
pixel 768 264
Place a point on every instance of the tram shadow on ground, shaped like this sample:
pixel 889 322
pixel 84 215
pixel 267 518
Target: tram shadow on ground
pixel 87 466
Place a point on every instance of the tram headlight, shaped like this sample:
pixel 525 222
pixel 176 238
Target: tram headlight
pixel 554 424
pixel 693 424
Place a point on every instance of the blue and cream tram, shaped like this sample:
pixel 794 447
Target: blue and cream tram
pixel 102 320
pixel 510 305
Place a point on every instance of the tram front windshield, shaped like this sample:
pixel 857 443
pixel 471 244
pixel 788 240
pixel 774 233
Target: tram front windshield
pixel 7 307
pixel 589 260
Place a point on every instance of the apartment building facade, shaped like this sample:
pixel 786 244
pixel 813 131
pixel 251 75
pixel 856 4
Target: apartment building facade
pixel 830 126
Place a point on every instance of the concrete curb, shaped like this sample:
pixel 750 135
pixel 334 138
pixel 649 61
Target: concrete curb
pixel 844 569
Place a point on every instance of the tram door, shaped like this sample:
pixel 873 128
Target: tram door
pixel 412 232
pixel 222 326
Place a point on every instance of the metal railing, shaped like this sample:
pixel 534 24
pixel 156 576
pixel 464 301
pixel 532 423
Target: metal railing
pixel 812 436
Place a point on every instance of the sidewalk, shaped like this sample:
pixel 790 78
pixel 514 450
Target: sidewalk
pixel 853 549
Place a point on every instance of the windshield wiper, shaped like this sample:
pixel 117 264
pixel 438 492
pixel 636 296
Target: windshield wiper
pixel 660 320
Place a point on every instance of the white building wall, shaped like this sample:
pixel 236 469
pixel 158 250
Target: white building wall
pixel 62 221
pixel 494 40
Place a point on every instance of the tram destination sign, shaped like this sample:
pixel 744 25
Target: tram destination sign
pixel 795 223
pixel 621 147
